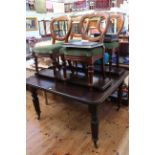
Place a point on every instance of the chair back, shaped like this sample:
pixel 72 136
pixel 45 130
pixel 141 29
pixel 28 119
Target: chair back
pixel 91 26
pixel 116 23
pixel 44 28
pixel 75 32
pixel 60 28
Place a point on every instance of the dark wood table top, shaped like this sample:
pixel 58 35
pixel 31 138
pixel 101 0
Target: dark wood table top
pixel 79 93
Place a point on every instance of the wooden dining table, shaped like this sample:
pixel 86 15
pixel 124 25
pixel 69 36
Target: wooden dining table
pixel 92 99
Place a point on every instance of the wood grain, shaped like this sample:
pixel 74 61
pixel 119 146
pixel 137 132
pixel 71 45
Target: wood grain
pixel 64 128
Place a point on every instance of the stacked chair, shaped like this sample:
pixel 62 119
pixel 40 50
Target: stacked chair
pixel 88 56
pixel 62 29
pixel 75 35
pixel 44 29
pixel 111 40
pixel 51 50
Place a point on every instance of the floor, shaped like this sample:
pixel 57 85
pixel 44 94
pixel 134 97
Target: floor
pixel 64 128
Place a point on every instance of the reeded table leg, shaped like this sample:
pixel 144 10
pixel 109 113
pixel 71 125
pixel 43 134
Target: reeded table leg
pixel 94 123
pixel 36 102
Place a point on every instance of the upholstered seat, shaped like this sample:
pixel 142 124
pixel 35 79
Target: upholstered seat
pixel 81 52
pixel 48 49
pixel 111 45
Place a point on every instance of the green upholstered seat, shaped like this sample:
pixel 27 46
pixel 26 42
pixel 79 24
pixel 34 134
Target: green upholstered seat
pixel 48 49
pixel 111 45
pixel 81 52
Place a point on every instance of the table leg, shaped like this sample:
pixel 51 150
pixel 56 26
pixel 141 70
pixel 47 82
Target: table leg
pixel 94 123
pixel 36 102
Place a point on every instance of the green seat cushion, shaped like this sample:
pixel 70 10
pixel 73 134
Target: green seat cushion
pixel 48 49
pixel 111 45
pixel 81 51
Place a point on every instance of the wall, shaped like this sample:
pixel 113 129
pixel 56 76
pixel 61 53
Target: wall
pixel 58 10
pixel 39 17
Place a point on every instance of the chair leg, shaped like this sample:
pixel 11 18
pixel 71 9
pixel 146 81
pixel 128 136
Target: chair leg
pixel 102 67
pixel 110 61
pixel 70 66
pixel 117 58
pixel 54 64
pixel 76 64
pixel 84 67
pixel 36 63
pixel 73 66
pixel 64 67
pixel 90 74
pixel 58 63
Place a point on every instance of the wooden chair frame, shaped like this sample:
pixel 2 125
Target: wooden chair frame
pixel 77 21
pixel 110 51
pixel 54 36
pixel 54 56
pixel 121 17
pixel 89 61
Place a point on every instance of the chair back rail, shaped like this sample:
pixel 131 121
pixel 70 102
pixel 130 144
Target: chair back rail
pixel 52 28
pixel 120 18
pixel 99 17
pixel 75 20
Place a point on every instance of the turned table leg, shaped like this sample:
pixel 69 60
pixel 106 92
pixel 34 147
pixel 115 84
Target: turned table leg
pixel 36 102
pixel 94 123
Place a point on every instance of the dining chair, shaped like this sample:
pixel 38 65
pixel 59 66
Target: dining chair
pixel 111 40
pixel 88 56
pixel 60 28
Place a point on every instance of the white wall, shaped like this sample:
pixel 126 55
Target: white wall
pixel 46 16
pixel 58 10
